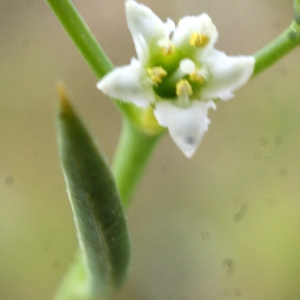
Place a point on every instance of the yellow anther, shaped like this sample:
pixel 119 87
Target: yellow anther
pixel 183 88
pixel 167 49
pixel 198 40
pixel 197 77
pixel 156 74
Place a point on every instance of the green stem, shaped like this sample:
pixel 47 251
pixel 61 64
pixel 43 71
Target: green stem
pixel 297 11
pixel 74 281
pixel 86 43
pixel 131 157
pixel 81 36
pixel 275 50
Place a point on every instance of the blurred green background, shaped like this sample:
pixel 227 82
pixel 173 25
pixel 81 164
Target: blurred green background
pixel 223 225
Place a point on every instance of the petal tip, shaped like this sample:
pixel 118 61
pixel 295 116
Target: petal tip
pixel 188 149
pixel 99 85
pixel 187 126
pixel 130 5
pixel 134 8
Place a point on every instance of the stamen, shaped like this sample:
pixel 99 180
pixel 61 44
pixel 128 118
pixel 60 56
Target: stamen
pixel 183 88
pixel 198 40
pixel 166 47
pixel 156 74
pixel 197 77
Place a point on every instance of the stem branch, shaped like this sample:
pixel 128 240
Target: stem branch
pixel 279 47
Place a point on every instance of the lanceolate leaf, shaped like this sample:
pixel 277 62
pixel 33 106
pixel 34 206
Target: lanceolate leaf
pixel 99 217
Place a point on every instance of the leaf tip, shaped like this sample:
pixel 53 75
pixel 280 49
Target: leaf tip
pixel 64 103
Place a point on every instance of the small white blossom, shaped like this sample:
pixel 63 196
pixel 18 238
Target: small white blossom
pixel 178 72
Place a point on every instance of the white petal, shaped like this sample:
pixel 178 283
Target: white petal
pixel 145 27
pixel 227 73
pixel 128 84
pixel 169 27
pixel 186 125
pixel 200 24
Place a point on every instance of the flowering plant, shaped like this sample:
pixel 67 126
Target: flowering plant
pixel 177 77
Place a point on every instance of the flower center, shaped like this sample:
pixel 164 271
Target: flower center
pixel 184 82
pixel 176 74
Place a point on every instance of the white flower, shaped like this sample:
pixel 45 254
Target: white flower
pixel 178 72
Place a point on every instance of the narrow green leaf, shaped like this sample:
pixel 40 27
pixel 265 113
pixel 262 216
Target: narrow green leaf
pixel 99 217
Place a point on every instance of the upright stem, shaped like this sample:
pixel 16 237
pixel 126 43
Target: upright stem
pixel 81 36
pixel 86 43
pixel 132 155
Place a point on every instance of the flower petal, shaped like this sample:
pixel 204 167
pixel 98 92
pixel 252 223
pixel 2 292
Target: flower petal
pixel 128 84
pixel 186 125
pixel 227 73
pixel 145 27
pixel 188 25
